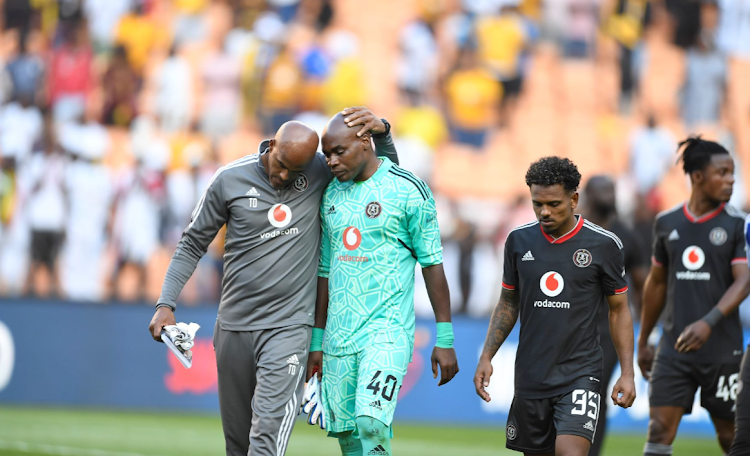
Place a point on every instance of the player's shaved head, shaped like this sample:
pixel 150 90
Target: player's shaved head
pixel 347 153
pixel 297 142
pixel 336 129
pixel 289 153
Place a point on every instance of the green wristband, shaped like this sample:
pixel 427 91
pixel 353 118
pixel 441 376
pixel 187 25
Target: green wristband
pixel 444 335
pixel 316 342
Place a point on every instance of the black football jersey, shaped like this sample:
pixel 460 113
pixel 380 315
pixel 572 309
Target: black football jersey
pixel 561 283
pixel 698 253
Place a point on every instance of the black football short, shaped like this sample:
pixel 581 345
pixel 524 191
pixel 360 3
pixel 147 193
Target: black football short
pixel 741 444
pixel 674 383
pixel 534 424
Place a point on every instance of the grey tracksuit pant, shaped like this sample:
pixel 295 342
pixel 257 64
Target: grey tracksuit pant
pixel 261 380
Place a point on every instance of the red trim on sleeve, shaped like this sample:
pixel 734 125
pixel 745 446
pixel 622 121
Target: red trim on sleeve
pixel 656 262
pixel 739 260
pixel 621 290
pixel 703 218
pixel 568 235
pixel 508 287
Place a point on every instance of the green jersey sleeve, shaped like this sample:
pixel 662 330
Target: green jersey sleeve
pixel 324 264
pixel 422 223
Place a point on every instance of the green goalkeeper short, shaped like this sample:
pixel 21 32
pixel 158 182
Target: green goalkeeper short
pixel 365 383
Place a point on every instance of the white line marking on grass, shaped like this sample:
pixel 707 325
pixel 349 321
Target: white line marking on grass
pixel 28 447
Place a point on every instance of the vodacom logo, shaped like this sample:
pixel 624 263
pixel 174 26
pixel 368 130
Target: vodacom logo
pixel 280 215
pixel 552 284
pixel 352 238
pixel 693 258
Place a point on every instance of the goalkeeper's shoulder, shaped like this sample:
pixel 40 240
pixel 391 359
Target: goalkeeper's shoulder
pixel 409 185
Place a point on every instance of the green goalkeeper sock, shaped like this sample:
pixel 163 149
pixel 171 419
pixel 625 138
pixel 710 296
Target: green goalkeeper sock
pixel 375 436
pixel 349 445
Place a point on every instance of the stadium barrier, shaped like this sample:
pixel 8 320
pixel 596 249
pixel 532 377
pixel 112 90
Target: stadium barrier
pixel 70 354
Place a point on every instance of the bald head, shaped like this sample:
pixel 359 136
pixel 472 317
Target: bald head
pixel 348 155
pixel 289 153
pixel 337 129
pixel 297 142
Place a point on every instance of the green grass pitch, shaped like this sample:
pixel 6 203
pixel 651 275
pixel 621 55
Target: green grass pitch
pixel 42 432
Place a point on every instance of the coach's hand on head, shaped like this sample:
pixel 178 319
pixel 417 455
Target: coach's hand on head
pixel 162 317
pixel 482 378
pixel 623 393
pixel 359 115
pixel 446 359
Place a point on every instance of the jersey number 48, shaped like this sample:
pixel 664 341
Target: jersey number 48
pixel 729 390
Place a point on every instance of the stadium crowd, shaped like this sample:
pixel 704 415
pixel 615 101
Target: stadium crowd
pixel 114 115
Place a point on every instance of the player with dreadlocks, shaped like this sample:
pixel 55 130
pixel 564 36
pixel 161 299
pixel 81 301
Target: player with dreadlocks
pixel 559 270
pixel 698 277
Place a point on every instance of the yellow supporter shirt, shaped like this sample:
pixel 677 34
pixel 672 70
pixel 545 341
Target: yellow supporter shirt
pixel 140 35
pixel 190 6
pixel 500 41
pixel 472 96
pixel 345 86
pixel 283 84
pixel 423 122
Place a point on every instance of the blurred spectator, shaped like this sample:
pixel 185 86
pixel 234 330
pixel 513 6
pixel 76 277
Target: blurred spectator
pixel 626 27
pixel 423 122
pixel 120 86
pixel 346 85
pixel 17 14
pixel 317 14
pixel 26 71
pixel 183 190
pixel 14 235
pixel 89 197
pixel 47 208
pixel 259 51
pixel 8 194
pixel 189 22
pixel 220 104
pixel 103 17
pixel 734 28
pixel 140 198
pixel 501 40
pixel 472 96
pixel 70 75
pixel 286 9
pixel 140 35
pixel 419 157
pixel 652 154
pixel 418 62
pixel 581 28
pixel 174 92
pixel 70 16
pixel 316 68
pixel 21 126
pixel 687 16
pixel 281 90
pixel 704 89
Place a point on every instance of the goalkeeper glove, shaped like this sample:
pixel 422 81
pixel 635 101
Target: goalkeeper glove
pixel 312 404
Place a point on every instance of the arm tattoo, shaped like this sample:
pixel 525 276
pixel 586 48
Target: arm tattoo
pixel 503 319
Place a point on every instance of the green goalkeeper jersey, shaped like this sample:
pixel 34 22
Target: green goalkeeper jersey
pixel 374 232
